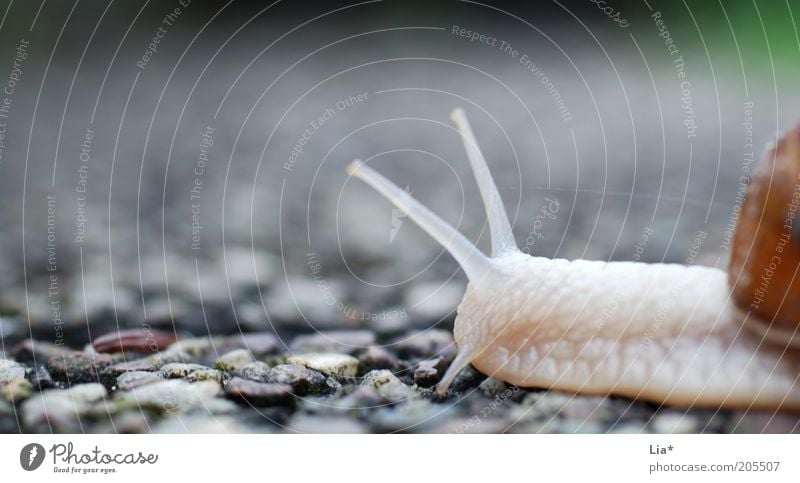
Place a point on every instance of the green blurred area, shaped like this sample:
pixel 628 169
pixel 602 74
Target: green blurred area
pixel 763 32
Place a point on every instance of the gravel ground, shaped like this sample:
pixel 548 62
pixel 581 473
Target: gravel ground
pixel 327 382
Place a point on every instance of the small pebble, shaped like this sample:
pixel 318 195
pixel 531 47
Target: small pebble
pixel 205 375
pixel 16 390
pixel 138 340
pixel 259 393
pixel 302 379
pixel 492 387
pixel 387 385
pixel 60 409
pixel 78 368
pixel 194 348
pixel 134 365
pixel 255 371
pixel 41 378
pixel 177 370
pixel 429 372
pixel 467 378
pixel 332 364
pixel 169 396
pixel 129 380
pixel 234 360
pixel 10 371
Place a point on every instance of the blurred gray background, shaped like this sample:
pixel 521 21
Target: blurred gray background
pixel 590 113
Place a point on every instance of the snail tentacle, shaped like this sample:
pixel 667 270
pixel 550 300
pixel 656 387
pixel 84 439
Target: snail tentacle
pixel 502 235
pixel 474 263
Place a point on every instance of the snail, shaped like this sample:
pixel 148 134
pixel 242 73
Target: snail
pixel 665 333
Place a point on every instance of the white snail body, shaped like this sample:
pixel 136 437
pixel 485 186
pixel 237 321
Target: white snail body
pixel 662 332
pixel 666 333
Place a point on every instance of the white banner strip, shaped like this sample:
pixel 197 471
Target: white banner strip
pixel 401 458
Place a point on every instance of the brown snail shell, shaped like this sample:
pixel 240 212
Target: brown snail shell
pixel 764 271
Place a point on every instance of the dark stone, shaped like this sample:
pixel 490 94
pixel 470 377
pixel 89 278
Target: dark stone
pixel 79 368
pixel 429 372
pixel 302 380
pixel 259 393
pixel 41 378
pixel 377 358
pixel 467 378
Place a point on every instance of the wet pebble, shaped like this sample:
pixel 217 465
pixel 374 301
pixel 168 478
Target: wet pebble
pixel 332 364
